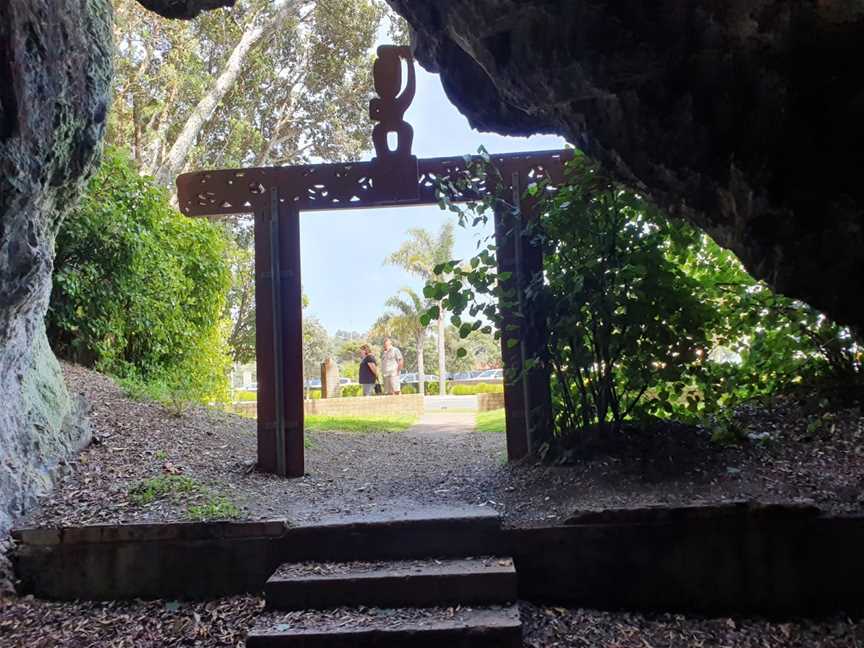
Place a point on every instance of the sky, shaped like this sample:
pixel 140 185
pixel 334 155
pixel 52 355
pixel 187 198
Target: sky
pixel 343 252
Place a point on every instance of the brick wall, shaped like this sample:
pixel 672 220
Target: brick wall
pixel 486 402
pixel 403 405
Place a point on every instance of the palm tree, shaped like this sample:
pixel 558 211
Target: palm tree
pixel 419 255
pixel 405 325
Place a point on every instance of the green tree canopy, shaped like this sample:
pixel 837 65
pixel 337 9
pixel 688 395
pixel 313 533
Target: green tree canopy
pixel 316 347
pixel 422 255
pixel 645 316
pixel 266 82
pixel 139 289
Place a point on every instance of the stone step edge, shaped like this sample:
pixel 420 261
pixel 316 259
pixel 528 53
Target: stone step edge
pixel 502 627
pixel 457 582
pixel 421 567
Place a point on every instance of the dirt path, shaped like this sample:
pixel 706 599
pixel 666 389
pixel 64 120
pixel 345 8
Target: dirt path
pixel 440 462
pixel 444 423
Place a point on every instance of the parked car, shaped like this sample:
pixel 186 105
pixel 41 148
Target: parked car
pixel 490 374
pixel 345 381
pixel 462 375
pixel 411 378
pixel 314 383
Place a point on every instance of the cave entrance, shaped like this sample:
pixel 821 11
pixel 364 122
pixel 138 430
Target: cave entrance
pixel 394 177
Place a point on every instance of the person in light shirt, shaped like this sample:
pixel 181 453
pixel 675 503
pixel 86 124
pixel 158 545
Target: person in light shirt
pixel 391 366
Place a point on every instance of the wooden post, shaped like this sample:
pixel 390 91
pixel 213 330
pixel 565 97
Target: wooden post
pixel 527 396
pixel 279 337
pixel 292 322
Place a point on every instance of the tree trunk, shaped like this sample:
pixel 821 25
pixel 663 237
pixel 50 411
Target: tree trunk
pixel 421 379
pixel 442 369
pixel 152 157
pixel 175 160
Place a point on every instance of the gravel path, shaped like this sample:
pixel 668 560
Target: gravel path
pixel 444 423
pixel 366 473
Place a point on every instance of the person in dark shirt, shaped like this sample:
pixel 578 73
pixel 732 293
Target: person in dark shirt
pixel 368 370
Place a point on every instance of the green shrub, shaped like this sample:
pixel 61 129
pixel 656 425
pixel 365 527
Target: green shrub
pixel 179 487
pixel 480 388
pixel 345 391
pixel 242 395
pixel 163 486
pixel 349 391
pixel 215 508
pixel 430 388
pixel 350 369
pixel 140 290
pixel 194 378
pixel 605 279
pixel 645 317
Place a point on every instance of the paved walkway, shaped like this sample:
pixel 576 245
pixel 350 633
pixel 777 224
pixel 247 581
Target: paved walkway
pixel 444 423
pixel 450 403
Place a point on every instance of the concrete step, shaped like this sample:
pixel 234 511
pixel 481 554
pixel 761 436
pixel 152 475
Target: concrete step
pixel 492 627
pixel 450 404
pixel 412 583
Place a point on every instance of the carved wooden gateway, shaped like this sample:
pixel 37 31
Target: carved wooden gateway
pixel 394 177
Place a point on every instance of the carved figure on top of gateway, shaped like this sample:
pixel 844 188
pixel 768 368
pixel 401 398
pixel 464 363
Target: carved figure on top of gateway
pixel 396 168
pixel 388 108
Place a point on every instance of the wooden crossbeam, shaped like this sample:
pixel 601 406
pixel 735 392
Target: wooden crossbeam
pixel 344 185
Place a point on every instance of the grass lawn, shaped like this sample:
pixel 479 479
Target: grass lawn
pixel 361 424
pixel 491 421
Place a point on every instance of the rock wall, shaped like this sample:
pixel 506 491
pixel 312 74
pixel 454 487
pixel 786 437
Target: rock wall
pixel 55 74
pixel 744 116
pixel 55 81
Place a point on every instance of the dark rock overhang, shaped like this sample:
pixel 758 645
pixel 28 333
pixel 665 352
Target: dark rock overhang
pixel 183 8
pixel 746 117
